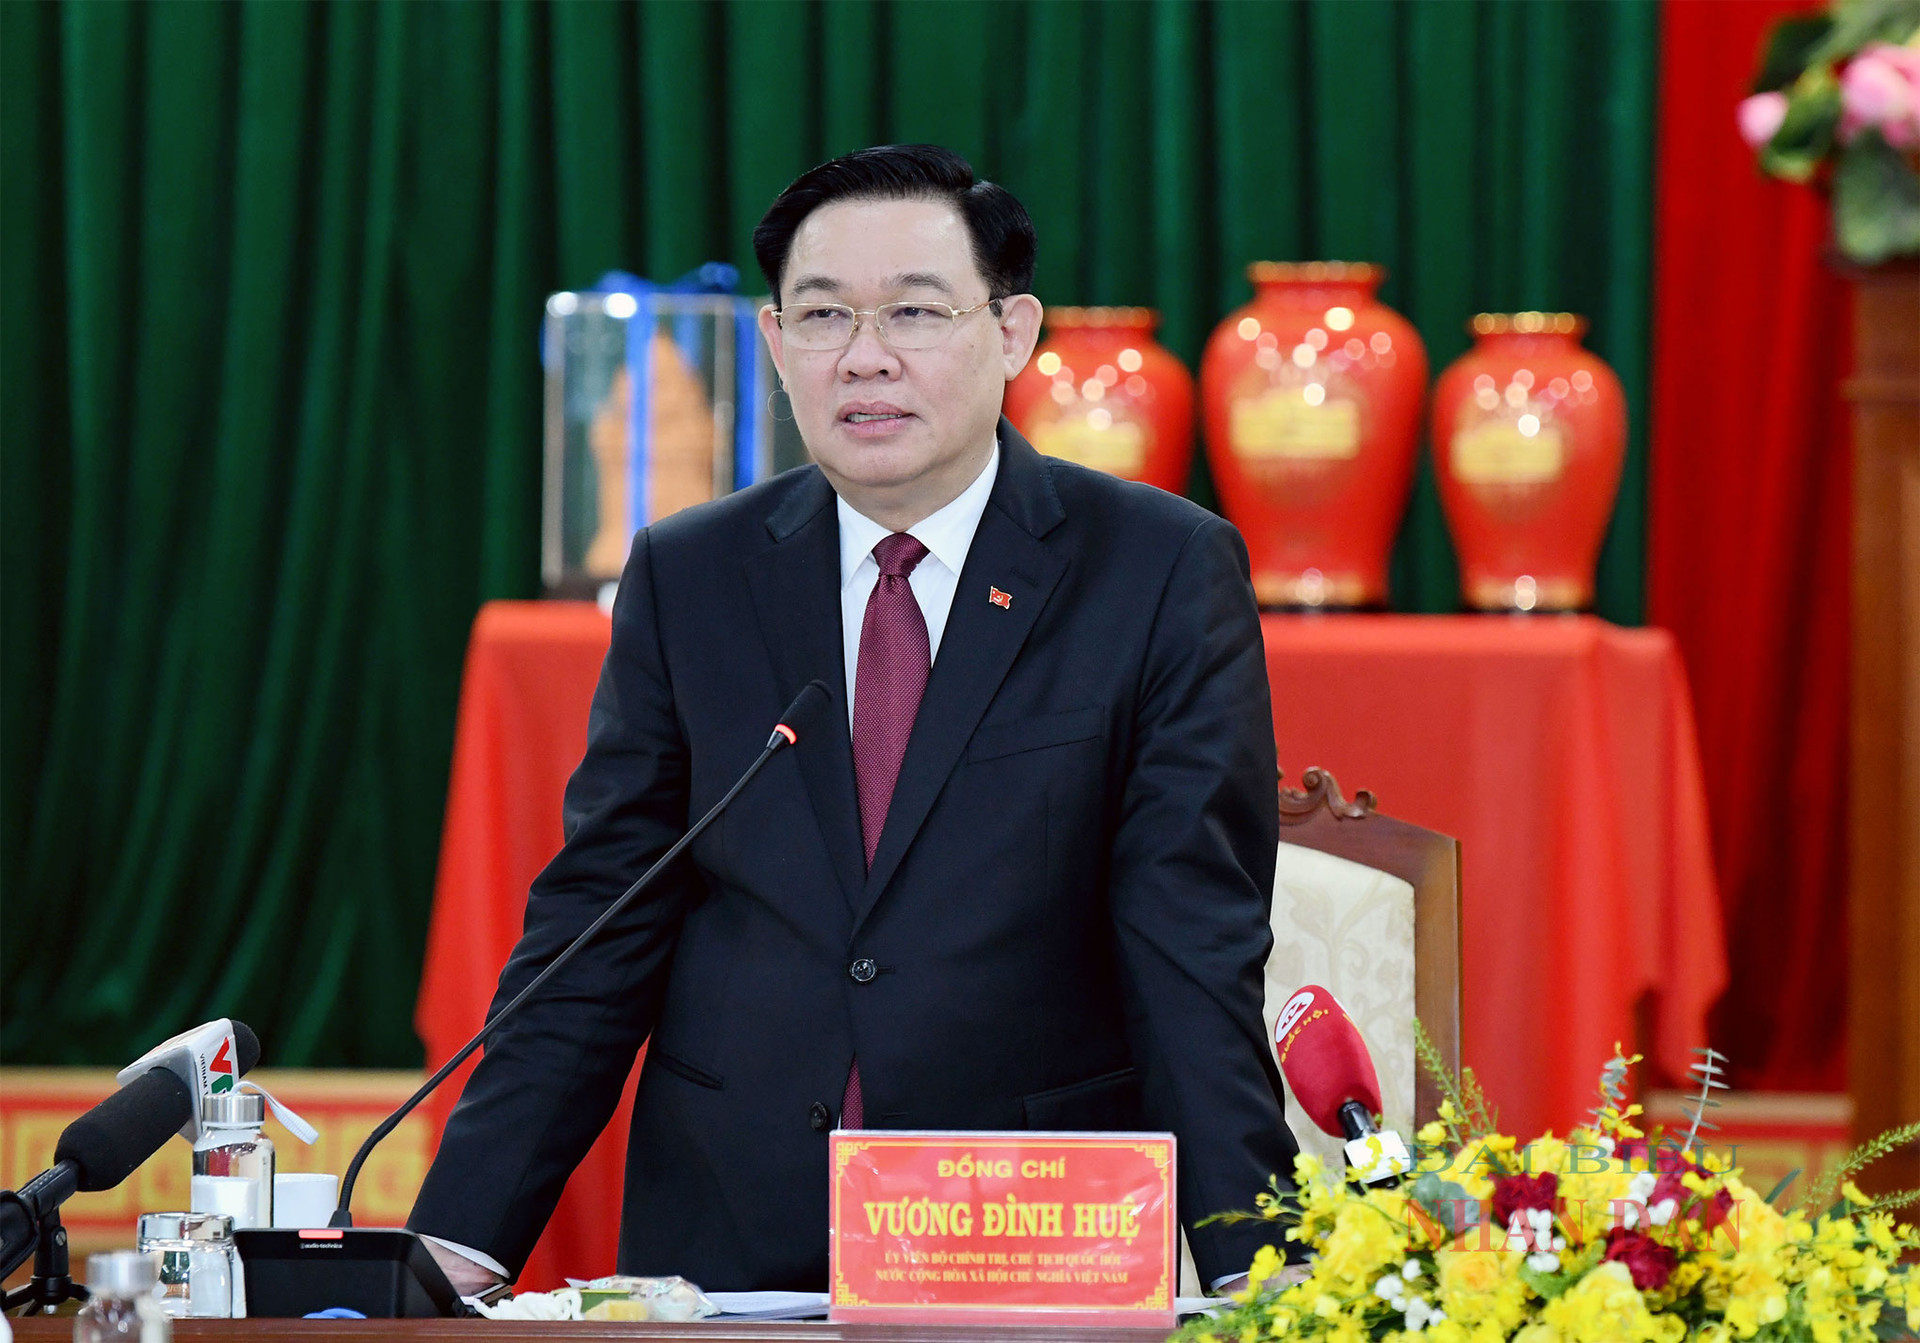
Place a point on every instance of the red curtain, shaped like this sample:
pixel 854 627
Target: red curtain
pixel 1748 552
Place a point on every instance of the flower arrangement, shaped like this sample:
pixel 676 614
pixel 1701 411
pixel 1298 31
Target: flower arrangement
pixel 1837 101
pixel 1609 1234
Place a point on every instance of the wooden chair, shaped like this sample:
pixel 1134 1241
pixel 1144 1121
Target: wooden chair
pixel 1368 907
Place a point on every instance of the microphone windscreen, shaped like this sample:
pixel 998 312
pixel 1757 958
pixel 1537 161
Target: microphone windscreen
pixel 109 1142
pixel 247 1044
pixel 803 715
pixel 1324 1058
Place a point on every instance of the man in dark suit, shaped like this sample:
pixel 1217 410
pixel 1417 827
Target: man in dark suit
pixel 1019 875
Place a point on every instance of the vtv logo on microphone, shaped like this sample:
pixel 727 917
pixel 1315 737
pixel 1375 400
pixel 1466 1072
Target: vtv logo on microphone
pixel 220 1069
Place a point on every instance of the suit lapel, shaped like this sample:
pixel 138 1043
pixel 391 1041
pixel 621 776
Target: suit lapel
pixel 982 639
pixel 796 593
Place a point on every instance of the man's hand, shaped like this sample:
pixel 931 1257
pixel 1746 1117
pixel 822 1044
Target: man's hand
pixel 467 1277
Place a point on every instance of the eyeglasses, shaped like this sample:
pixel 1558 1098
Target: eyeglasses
pixel 904 326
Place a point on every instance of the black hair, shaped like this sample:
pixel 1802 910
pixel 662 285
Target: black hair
pixel 1002 232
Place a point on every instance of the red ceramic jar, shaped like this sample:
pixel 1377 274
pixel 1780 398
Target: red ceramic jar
pixel 1312 396
pixel 1529 435
pixel 1099 391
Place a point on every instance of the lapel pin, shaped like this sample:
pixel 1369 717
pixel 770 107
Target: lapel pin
pixel 1003 600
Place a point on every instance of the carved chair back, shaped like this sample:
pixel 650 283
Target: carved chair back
pixel 1369 907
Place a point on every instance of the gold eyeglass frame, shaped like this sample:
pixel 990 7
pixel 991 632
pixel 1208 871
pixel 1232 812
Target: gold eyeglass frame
pixel 879 326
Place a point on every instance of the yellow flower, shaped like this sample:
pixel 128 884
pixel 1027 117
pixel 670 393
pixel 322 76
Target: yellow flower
pixel 1470 1272
pixel 1546 1153
pixel 1606 1305
pixel 1347 1329
pixel 1432 1133
pixel 1266 1263
pixel 1446 1111
pixel 1364 1239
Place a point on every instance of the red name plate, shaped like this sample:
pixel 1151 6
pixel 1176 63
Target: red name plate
pixel 1004 1228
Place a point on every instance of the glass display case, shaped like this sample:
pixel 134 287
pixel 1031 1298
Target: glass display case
pixel 656 399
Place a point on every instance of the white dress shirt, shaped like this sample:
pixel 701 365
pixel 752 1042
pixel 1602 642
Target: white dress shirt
pixel 947 535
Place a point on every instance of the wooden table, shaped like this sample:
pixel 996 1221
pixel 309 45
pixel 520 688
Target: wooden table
pixel 513 1331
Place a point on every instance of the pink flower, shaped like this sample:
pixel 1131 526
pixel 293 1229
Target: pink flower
pixel 1880 88
pixel 1760 116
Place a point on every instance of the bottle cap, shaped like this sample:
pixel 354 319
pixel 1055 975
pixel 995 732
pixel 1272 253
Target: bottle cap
pixel 234 1109
pixel 123 1273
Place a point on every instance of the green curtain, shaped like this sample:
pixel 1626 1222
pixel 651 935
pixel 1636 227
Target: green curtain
pixel 269 393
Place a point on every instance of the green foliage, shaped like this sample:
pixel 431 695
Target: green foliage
pixel 1858 1160
pixel 1447 1203
pixel 1876 202
pixel 1773 1197
pixel 1793 39
pixel 1547 1285
pixel 1805 138
pixel 1856 23
pixel 1473 1117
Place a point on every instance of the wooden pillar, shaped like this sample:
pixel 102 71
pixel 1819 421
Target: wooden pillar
pixel 1884 900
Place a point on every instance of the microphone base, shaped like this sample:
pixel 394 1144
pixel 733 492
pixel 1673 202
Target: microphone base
pixel 50 1285
pixel 385 1273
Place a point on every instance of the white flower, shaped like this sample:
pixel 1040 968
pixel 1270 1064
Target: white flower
pixel 1410 1270
pixel 1420 1314
pixel 1390 1288
pixel 1640 1187
pixel 1544 1261
pixel 1662 1212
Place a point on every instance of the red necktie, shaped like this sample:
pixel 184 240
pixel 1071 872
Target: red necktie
pixel 895 658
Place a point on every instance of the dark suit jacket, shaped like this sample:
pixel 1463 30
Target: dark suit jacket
pixel 1067 910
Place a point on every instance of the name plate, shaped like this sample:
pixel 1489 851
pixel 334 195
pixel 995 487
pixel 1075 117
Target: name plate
pixel 1004 1228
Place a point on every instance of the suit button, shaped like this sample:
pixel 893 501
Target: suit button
pixel 819 1117
pixel 862 970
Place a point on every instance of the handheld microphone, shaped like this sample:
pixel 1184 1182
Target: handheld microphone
pixel 109 1142
pixel 1327 1065
pixel 799 718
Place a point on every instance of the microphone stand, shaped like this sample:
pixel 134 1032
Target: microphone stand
pixel 781 737
pixel 51 1284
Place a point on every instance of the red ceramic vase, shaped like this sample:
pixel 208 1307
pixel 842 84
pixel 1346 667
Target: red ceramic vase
pixel 1099 391
pixel 1312 394
pixel 1529 434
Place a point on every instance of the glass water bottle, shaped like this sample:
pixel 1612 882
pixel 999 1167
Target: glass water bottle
pixel 122 1304
pixel 232 1146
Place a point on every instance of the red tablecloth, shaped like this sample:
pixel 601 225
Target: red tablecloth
pixel 531 668
pixel 1559 751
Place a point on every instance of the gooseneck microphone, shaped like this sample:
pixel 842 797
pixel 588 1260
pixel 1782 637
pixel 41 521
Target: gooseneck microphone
pixel 1327 1065
pixel 813 699
pixel 106 1145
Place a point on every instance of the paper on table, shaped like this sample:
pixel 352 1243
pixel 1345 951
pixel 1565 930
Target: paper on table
pixel 771 1305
